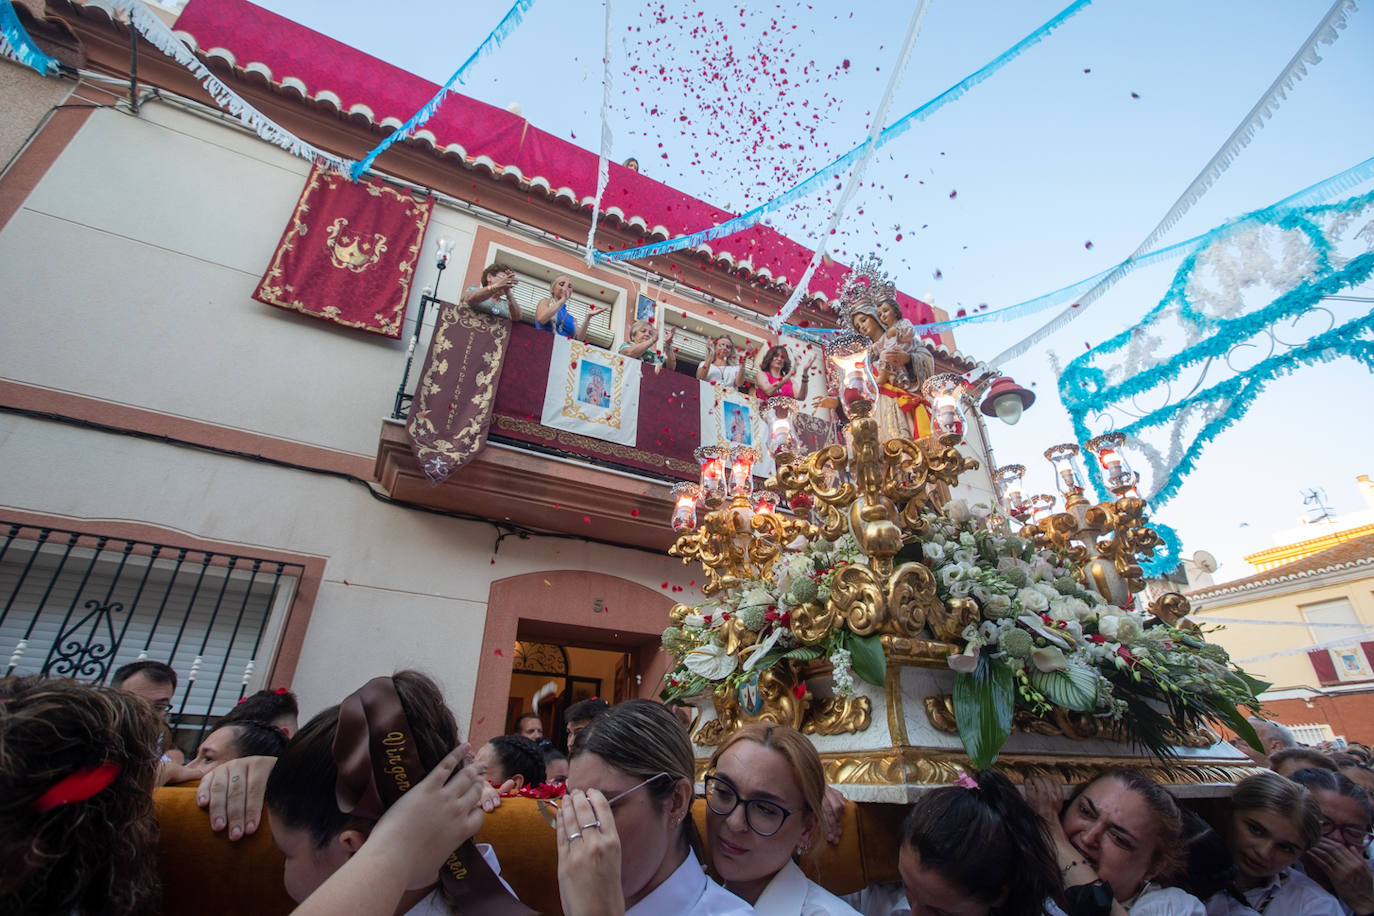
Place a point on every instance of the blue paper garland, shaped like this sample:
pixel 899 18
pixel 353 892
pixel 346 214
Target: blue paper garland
pixel 1167 555
pixel 493 40
pixel 836 169
pixel 1083 386
pixel 17 44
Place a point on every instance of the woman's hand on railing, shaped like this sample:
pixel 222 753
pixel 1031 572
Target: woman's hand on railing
pixel 233 794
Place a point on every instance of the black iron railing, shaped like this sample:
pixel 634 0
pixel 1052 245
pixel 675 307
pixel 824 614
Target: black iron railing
pixel 76 604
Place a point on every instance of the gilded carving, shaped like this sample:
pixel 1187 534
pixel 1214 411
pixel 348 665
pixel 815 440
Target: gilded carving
pixel 838 714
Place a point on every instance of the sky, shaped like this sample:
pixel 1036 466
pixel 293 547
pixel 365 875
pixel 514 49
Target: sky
pixel 1055 168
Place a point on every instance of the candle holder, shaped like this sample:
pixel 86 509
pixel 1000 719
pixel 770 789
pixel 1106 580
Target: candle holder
pixel 849 354
pixel 1068 479
pixel 712 461
pixel 782 439
pixel 945 393
pixel 1011 483
pixel 742 459
pixel 1118 475
pixel 1042 506
pixel 685 496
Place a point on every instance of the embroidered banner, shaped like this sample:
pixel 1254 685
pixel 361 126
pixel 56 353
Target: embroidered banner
pixel 730 417
pixel 592 391
pixel 457 388
pixel 348 253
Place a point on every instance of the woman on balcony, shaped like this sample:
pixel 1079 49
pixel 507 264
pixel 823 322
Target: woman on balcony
pixel 1119 841
pixel 496 295
pixel 775 376
pixel 552 313
pixel 640 345
pixel 626 839
pixel 722 366
pixel 765 792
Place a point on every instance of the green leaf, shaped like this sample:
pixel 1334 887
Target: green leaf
pixel 1238 724
pixel 803 654
pixel 982 710
pixel 867 659
pixel 1256 685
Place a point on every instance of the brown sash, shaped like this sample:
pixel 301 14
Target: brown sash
pixel 374 750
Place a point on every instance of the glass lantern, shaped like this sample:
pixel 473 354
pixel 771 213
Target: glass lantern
pixel 1042 506
pixel 1011 481
pixel 945 393
pixel 765 502
pixel 782 440
pixel 742 459
pixel 1068 479
pixel 443 250
pixel 1115 471
pixel 685 506
pixel 712 461
pixel 849 354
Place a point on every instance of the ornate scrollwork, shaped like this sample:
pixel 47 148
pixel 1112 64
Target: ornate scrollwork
pixel 1171 607
pixel 737 543
pixel 838 715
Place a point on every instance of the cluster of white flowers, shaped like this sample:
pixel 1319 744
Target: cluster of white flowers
pixel 843 674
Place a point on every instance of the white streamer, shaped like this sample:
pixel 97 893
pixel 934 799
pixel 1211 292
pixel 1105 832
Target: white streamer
pixel 161 37
pixel 603 168
pixel 870 147
pixel 1296 69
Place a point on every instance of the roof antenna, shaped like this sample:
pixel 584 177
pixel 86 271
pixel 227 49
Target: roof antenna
pixel 1318 510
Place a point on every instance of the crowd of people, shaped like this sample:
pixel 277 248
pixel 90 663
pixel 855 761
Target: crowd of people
pixel 375 803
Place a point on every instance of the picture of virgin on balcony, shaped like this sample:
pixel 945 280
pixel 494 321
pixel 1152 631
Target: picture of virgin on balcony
pixel 736 422
pixel 594 383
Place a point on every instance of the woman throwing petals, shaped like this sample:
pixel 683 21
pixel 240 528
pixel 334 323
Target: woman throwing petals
pixel 626 839
pixel 552 313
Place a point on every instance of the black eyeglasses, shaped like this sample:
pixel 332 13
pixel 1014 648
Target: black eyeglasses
pixel 1353 837
pixel 763 817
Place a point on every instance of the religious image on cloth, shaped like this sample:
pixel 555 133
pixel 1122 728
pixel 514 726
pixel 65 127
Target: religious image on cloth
pixel 730 417
pixel 348 253
pixel 592 392
pixel 451 410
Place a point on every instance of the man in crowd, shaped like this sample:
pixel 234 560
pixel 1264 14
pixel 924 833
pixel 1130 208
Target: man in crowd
pixel 580 714
pixel 529 726
pixel 153 681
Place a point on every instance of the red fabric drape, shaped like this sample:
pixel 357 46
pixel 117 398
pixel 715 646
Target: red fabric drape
pixel 348 253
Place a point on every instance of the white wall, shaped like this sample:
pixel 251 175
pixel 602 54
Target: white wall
pixel 127 276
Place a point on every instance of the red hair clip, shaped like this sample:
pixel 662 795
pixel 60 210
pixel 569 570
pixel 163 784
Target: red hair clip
pixel 282 691
pixel 78 786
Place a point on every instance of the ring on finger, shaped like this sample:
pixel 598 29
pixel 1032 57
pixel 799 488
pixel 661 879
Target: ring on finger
pixel 233 779
pixel 573 836
pixel 596 824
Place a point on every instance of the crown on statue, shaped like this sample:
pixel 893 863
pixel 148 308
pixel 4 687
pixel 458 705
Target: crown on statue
pixel 866 286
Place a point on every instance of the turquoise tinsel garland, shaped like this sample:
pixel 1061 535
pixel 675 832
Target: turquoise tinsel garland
pixel 1084 387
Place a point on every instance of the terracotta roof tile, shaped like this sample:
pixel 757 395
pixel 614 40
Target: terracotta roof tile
pixel 1348 554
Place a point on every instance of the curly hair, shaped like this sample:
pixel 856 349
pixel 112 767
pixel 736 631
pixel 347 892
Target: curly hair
pixel 98 855
pixel 519 755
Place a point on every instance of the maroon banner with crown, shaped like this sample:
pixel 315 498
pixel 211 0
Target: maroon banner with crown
pixel 348 253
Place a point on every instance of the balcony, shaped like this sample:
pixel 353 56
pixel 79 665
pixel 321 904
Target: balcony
pixel 553 480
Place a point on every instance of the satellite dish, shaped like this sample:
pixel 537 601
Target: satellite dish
pixel 1205 561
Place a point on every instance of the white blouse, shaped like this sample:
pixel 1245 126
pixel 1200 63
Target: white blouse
pixel 722 375
pixel 1290 893
pixel 1166 901
pixel 688 892
pixel 791 893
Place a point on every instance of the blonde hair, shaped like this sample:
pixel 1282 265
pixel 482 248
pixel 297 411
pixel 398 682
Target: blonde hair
pixel 711 353
pixel 1268 791
pixel 799 753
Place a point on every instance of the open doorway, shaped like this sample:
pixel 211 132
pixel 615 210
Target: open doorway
pixel 554 677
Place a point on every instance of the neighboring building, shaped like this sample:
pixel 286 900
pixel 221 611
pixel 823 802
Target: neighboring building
pixel 1306 626
pixel 195 476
